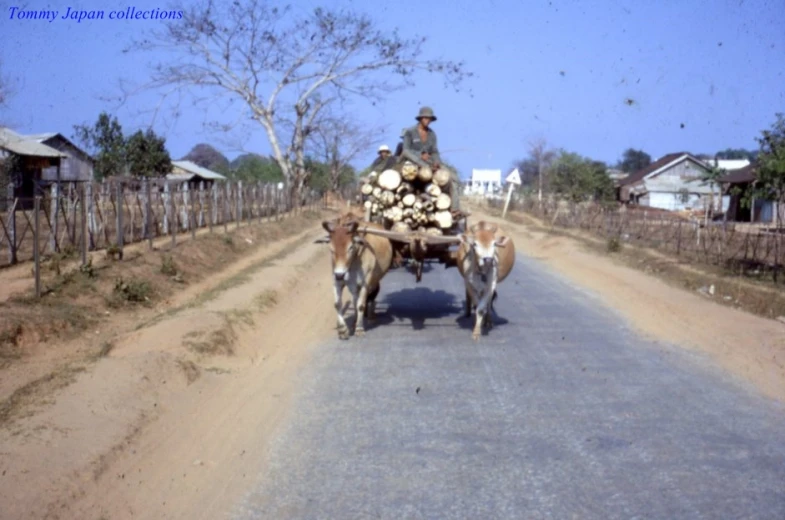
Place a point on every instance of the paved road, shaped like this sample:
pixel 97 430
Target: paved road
pixel 560 412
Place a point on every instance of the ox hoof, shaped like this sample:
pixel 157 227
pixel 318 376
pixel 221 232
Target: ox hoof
pixel 476 336
pixel 343 334
pixel 359 332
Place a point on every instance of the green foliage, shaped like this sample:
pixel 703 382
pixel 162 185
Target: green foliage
pixel 133 290
pixel 168 267
pixel 771 162
pixel 633 160
pixel 579 179
pixel 613 245
pixel 106 143
pixel 146 155
pixel 9 168
pixel 529 171
pixel 87 269
pixel 320 175
pixel 254 167
pixel 737 153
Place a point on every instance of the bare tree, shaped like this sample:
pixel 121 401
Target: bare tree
pixel 543 158
pixel 284 66
pixel 338 140
pixel 5 87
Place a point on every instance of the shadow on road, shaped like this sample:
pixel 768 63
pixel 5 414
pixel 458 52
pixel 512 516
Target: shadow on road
pixel 421 304
pixel 417 305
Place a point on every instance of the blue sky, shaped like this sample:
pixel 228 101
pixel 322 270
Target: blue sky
pixel 561 70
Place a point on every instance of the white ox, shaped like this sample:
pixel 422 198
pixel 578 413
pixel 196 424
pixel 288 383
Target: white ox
pixel 485 258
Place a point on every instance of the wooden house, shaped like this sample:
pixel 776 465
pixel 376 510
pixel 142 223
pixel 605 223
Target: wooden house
pixel 77 166
pixel 737 185
pixel 672 182
pixel 193 174
pixel 24 164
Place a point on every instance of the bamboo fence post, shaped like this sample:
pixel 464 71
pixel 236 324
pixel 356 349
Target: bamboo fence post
pixel 148 205
pixel 239 215
pixel 53 217
pixel 11 201
pixel 85 239
pixel 36 244
pixel 227 190
pixel 119 205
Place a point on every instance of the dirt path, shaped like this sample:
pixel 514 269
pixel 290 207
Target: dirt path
pixel 746 345
pixel 162 426
pixel 173 422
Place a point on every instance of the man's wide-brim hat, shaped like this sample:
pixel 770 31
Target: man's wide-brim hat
pixel 426 112
pixel 384 148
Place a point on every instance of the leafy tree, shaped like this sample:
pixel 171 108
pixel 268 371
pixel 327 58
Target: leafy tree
pixel 105 142
pixel 737 153
pixel 146 155
pixel 208 157
pixel 578 179
pixel 253 167
pixel 712 177
pixel 633 160
pixel 770 183
pixel 529 171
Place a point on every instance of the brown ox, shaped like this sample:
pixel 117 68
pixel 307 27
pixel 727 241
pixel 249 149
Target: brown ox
pixel 485 258
pixel 359 262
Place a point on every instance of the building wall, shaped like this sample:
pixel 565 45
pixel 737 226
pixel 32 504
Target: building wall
pixel 673 201
pixel 685 170
pixel 76 167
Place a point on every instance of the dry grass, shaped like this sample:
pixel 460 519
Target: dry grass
pixel 266 299
pixel 24 400
pixel 190 369
pixel 216 342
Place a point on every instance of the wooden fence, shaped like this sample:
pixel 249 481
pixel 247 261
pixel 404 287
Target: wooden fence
pixel 92 216
pixel 725 244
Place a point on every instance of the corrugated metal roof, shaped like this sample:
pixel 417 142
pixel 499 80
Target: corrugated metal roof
pixel 179 177
pixel 21 145
pixel 40 137
pixel 727 164
pixel 192 168
pixel 653 167
pixel 741 175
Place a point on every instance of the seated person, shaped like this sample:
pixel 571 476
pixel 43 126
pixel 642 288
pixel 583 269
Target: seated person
pixel 420 147
pixel 385 161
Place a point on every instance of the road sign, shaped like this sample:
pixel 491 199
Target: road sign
pixel 514 177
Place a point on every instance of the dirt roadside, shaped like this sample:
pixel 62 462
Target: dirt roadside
pixel 748 346
pixel 172 421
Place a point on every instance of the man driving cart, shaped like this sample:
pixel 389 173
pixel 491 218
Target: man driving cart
pixel 420 147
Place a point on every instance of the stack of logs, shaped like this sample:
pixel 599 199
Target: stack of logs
pixel 410 198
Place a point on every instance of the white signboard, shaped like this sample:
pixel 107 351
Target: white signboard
pixel 514 177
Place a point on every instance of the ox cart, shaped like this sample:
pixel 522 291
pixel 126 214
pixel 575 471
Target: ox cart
pixel 416 248
pixel 413 206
